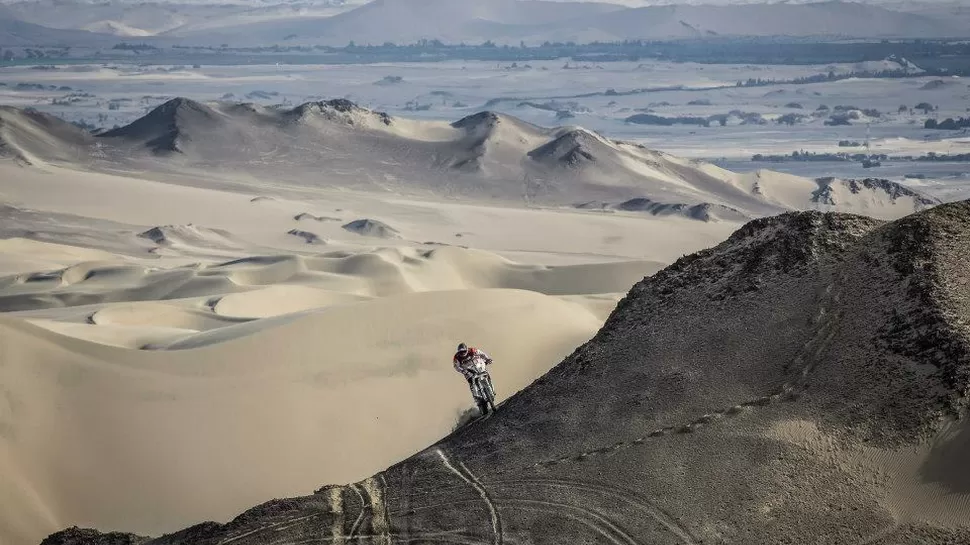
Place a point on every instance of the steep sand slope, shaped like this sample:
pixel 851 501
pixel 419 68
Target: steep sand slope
pixel 806 381
pixel 248 330
pixel 273 355
pixel 248 327
pixel 261 415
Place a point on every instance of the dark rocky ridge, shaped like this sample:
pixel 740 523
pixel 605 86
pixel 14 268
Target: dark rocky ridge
pixel 371 228
pixel 307 236
pixel 571 149
pixel 737 396
pixel 894 190
pixel 167 127
pixel 90 536
pixel 338 105
pixel 702 212
pixel 475 121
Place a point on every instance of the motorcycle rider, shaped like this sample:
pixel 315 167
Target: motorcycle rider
pixel 465 358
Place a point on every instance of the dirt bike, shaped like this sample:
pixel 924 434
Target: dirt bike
pixel 481 386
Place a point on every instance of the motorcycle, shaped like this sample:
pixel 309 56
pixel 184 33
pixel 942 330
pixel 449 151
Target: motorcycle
pixel 481 386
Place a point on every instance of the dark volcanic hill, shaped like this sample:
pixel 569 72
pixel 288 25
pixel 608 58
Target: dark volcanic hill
pixel 806 381
pixel 170 126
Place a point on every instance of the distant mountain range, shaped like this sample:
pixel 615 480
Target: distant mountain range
pixel 131 19
pixel 485 156
pixel 336 22
pixel 15 32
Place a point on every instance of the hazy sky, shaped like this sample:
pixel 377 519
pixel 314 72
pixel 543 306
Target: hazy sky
pixel 631 3
pixel 622 2
pixel 637 3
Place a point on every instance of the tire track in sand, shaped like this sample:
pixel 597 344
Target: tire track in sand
pixel 596 521
pixel 662 517
pixel 282 525
pixel 469 478
pixel 628 496
pixel 360 515
pixel 380 526
pixel 445 536
pixel 587 517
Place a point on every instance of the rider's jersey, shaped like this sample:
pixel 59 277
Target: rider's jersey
pixel 462 365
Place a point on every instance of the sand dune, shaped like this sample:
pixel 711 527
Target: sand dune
pixel 308 336
pixel 280 299
pixel 389 271
pixel 116 28
pixel 212 414
pixel 18 255
pixel 111 209
pixel 140 344
pixel 25 134
pixel 190 237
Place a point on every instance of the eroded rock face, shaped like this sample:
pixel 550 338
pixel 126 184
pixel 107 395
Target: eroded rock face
pixel 762 391
pixel 307 236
